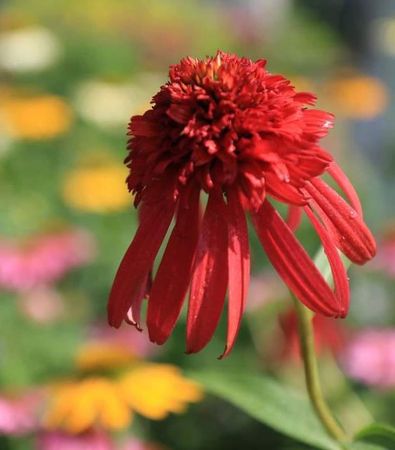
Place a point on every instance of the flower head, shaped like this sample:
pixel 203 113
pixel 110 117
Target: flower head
pixel 19 414
pixel 152 390
pixel 36 118
pixel 227 126
pixel 107 348
pixel 89 440
pixel 42 259
pixel 369 358
pixel 96 189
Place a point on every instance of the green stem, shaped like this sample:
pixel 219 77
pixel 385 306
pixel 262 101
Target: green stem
pixel 306 336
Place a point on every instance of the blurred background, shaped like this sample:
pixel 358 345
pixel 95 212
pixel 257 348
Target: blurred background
pixel 72 72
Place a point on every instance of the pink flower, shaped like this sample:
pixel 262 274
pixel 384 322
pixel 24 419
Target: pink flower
pixel 370 358
pixel 125 337
pixel 385 260
pixel 42 304
pixel 91 440
pixel 264 288
pixel 42 259
pixel 19 415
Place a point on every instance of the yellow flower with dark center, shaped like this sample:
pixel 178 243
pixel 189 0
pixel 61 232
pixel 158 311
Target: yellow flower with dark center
pixel 38 117
pixel 358 96
pixel 152 390
pixel 98 189
pixel 103 356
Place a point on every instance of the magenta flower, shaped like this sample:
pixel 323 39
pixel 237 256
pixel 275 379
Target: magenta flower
pixel 228 127
pixel 369 358
pixel 19 414
pixel 385 260
pixel 42 259
pixel 91 440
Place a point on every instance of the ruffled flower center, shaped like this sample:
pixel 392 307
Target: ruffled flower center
pixel 227 120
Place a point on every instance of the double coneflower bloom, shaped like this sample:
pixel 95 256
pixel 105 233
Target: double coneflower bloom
pixel 228 127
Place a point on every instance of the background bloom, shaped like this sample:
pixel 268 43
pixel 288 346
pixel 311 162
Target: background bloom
pixel 36 117
pixel 108 348
pixel 42 259
pixel 152 390
pixel 98 189
pixel 19 414
pixel 358 96
pixel 90 440
pixel 369 357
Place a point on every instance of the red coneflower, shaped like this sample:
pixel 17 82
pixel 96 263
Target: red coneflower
pixel 227 126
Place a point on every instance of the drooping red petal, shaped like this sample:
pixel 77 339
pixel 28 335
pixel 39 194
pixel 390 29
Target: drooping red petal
pixel 210 275
pixel 340 279
pixel 293 263
pixel 352 236
pixel 294 217
pixel 173 277
pixel 133 316
pixel 138 259
pixel 239 267
pixel 342 180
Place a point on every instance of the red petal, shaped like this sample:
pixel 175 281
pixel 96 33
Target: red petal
pixel 285 192
pixel 133 315
pixel 342 288
pixel 138 259
pixel 210 275
pixel 294 217
pixel 341 179
pixel 293 263
pixel 352 236
pixel 173 277
pixel 239 267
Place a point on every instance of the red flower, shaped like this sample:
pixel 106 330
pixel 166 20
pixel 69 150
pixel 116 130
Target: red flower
pixel 227 126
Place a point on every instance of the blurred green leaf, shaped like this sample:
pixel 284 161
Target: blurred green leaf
pixel 377 433
pixel 280 407
pixel 364 446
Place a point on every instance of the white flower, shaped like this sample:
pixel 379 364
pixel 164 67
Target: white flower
pixel 28 49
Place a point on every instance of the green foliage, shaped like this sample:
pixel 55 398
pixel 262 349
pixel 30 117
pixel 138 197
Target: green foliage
pixel 266 400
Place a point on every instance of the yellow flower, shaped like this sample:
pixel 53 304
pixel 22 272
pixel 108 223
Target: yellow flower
pixel 358 96
pixel 152 390
pixel 98 189
pixel 155 390
pixel 103 356
pixel 40 117
pixel 78 406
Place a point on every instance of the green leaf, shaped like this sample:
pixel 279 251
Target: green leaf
pixel 364 446
pixel 377 433
pixel 281 408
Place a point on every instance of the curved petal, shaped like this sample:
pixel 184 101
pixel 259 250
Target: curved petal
pixel 340 279
pixel 239 267
pixel 352 236
pixel 292 262
pixel 133 315
pixel 342 180
pixel 173 277
pixel 210 275
pixel 139 259
pixel 294 217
